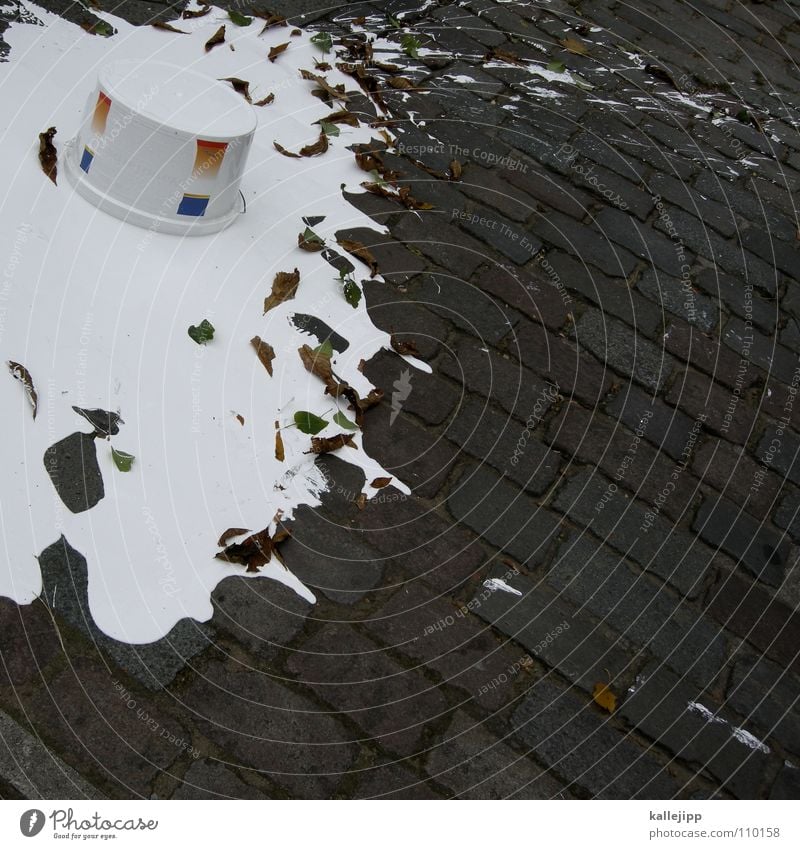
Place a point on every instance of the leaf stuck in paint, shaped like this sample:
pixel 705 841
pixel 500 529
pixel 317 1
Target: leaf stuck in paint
pixel 217 38
pixel 362 252
pixel 284 287
pixel 280 454
pixel 309 423
pixel 342 420
pixel 327 444
pixel 48 157
pixel 379 483
pixel 264 351
pixel 276 50
pixel 122 460
pixel 20 373
pixel 203 332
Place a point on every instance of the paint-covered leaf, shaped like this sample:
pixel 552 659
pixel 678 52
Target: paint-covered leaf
pixel 342 420
pixel 284 287
pixel 264 351
pixel 276 50
pixel 203 332
pixel 122 460
pixel 326 444
pixel 22 374
pixel 309 423
pixel 48 157
pixel 239 19
pixel 217 38
pixel 603 697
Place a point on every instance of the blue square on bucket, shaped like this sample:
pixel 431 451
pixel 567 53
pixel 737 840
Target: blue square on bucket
pixel 193 205
pixel 86 159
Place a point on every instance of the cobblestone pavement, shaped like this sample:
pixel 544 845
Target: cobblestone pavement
pixel 608 296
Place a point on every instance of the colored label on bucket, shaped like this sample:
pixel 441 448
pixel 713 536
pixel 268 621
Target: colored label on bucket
pixel 208 159
pixel 193 205
pixel 100 116
pixel 86 159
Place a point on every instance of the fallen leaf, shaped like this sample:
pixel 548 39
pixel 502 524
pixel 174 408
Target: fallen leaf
pixel 495 53
pixel 456 169
pixel 122 460
pixel 352 294
pixel 200 13
pixel 556 67
pixel 105 423
pixel 257 550
pixel 603 696
pixel 239 19
pixel 329 129
pixel 309 423
pixel 400 83
pixel 203 332
pixel 22 374
pixel 276 51
pixel 296 32
pixel 280 454
pixel 230 534
pixel 342 420
pixel 322 40
pixel 362 252
pixel 315 149
pixel 336 92
pixel 281 149
pixel 661 74
pixel 379 483
pixel 239 86
pixel 240 419
pixel 98 28
pixel 326 444
pixel 320 365
pixel 266 101
pixel 217 38
pixel 403 347
pixel 272 20
pixel 574 45
pixel 361 501
pixel 168 27
pixel 265 352
pixel 284 287
pixel 48 157
pixel 310 241
pixel 342 116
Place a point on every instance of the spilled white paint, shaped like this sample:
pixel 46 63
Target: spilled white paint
pixel 495 584
pixel 98 311
pixel 744 737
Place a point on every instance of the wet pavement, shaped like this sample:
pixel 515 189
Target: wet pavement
pixel 592 590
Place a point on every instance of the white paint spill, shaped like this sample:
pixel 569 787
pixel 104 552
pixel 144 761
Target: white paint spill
pixel 744 737
pixel 495 584
pixel 98 312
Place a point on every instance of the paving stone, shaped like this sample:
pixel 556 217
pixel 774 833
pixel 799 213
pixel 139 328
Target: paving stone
pixel 726 413
pixel 548 191
pixel 766 696
pixel 395 262
pixel 330 558
pixel 576 373
pixel 471 762
pixel 680 716
pixel 507 445
pixel 502 514
pixel 616 345
pixel 74 471
pixel 265 726
pixel 738 297
pixel 788 514
pixel 778 449
pixel 787 784
pixel 716 215
pixel 209 779
pixel 753 614
pixel 774 359
pixel 509 238
pixel 679 298
pixel 352 674
pixel 65 583
pixel 571 736
pixel 761 550
pixel 643 612
pixel 30 641
pixel 392 781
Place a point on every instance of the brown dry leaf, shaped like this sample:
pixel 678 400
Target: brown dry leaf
pixel 230 534
pixel 22 374
pixel 379 483
pixel 200 13
pixel 265 351
pixel 280 454
pixel 48 157
pixel 281 149
pixel 272 20
pixel 362 252
pixel 284 287
pixel 320 365
pixel 296 32
pixel 386 137
pixel 503 56
pixel 456 169
pixel 361 364
pixel 403 347
pixel 276 50
pixel 326 444
pixel 317 148
pixel 217 38
pixel 310 245
pixel 388 67
pixel 361 501
pixel 342 116
pixel 399 82
pixel 336 92
pixel 255 551
pixel 266 101
pixel 403 195
pixel 573 45
pixel 603 696
pixel 240 419
pixel 168 27
pixel 239 86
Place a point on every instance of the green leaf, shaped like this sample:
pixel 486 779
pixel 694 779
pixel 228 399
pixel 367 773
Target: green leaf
pixel 329 129
pixel 557 67
pixel 323 40
pixel 309 423
pixel 342 420
pixel 202 332
pixel 310 236
pixel 122 460
pixel 325 349
pixel 410 45
pixel 239 19
pixel 352 294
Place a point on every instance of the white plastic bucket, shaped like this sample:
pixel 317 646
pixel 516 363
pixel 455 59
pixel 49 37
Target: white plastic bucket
pixel 163 147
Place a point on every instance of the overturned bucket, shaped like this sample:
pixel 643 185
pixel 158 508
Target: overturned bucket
pixel 163 147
